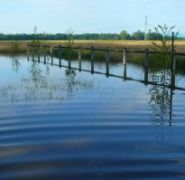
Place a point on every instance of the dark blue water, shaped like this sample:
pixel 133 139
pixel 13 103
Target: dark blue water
pixel 56 124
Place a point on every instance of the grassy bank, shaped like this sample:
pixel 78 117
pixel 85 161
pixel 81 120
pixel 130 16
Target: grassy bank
pixel 5 46
pixel 154 60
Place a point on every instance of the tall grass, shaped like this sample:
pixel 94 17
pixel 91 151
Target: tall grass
pixel 5 46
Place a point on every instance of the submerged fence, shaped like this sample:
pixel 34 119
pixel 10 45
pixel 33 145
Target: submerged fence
pixel 106 52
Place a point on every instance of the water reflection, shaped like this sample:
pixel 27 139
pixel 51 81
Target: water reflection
pixel 15 63
pixel 70 75
pixel 39 86
pixel 107 122
pixel 161 97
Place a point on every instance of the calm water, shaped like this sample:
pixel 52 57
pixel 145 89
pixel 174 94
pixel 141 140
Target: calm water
pixel 60 124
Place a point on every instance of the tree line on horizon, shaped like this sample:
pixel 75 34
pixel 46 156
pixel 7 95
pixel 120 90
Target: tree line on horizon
pixel 124 35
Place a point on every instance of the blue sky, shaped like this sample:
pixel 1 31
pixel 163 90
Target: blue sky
pixel 57 16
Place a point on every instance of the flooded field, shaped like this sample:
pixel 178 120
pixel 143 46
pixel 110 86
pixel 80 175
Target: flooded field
pixel 61 123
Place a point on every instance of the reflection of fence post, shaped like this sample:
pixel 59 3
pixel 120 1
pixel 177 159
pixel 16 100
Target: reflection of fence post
pixel 107 58
pixel 51 54
pixel 171 107
pixel 173 62
pixel 125 63
pixel 79 58
pixel 92 60
pixel 146 66
pixel 44 56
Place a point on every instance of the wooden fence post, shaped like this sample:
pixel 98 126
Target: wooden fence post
pixel 39 53
pixel 60 56
pixel 146 66
pixel 79 58
pixel 69 56
pixel 173 62
pixel 125 63
pixel 51 54
pixel 44 56
pixel 92 59
pixel 107 59
pixel 60 62
pixel 69 63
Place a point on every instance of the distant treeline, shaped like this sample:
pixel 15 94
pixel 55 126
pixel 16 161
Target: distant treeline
pixel 124 35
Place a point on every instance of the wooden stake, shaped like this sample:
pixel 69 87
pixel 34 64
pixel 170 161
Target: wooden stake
pixel 107 59
pixel 125 63
pixel 79 58
pixel 92 59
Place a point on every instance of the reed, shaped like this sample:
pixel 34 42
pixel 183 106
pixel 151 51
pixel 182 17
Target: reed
pixel 5 46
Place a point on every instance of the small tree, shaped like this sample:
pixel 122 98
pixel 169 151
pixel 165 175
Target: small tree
pixel 164 45
pixel 35 43
pixel 160 95
pixel 70 43
pixel 164 34
pixel 35 40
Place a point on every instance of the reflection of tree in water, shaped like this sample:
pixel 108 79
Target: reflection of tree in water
pixel 161 97
pixel 47 69
pixel 15 63
pixel 42 87
pixel 36 75
pixel 70 77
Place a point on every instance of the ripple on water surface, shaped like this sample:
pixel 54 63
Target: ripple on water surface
pixel 57 125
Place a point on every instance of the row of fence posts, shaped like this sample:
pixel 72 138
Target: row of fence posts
pixel 92 58
pixel 107 61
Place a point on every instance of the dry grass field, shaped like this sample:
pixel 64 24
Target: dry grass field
pixel 5 46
